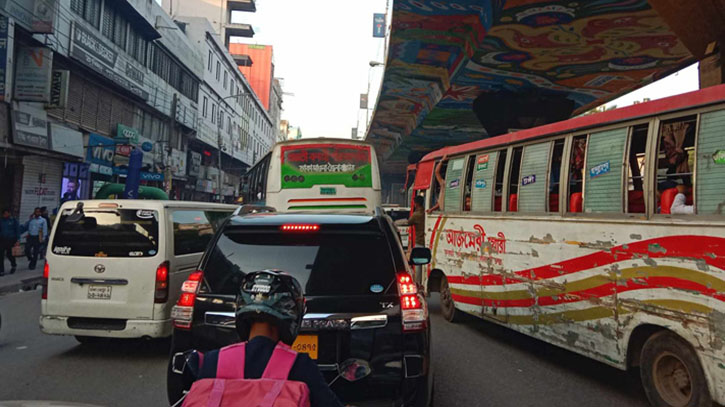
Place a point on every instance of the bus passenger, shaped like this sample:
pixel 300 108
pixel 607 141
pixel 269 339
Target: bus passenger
pixel 467 202
pixel 441 184
pixel 679 206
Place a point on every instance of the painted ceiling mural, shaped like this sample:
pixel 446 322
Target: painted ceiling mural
pixel 443 55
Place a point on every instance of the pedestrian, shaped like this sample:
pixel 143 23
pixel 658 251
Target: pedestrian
pixel 44 245
pixel 9 236
pixel 37 233
pixel 269 311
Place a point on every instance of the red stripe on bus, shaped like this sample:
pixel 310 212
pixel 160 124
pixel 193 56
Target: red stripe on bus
pixel 711 250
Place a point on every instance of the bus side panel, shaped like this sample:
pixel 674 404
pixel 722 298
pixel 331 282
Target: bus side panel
pixel 586 285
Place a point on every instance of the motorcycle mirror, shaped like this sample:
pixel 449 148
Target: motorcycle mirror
pixel 353 370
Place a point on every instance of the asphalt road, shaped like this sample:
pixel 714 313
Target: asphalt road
pixel 476 364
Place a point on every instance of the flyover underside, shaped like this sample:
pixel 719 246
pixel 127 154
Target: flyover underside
pixel 459 71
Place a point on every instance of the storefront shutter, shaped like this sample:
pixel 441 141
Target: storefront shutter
pixel 90 106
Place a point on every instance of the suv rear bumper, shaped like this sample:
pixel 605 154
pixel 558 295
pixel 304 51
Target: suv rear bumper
pixel 132 328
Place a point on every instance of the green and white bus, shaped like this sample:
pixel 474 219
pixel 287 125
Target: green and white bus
pixel 317 175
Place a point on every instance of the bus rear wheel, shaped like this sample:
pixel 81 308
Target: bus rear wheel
pixel 671 373
pixel 448 305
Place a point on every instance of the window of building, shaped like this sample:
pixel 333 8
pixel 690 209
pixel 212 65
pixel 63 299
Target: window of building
pixel 218 70
pixel 213 113
pixel 226 79
pixel 89 10
pixel 603 191
pixel 204 106
pixel 637 170
pixel 576 174
pixel 557 155
pixel 115 25
pixel 210 61
pixel 532 185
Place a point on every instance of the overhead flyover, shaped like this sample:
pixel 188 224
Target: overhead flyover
pixel 462 70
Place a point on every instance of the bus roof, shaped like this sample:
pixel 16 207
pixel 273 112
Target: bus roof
pixel 696 98
pixel 324 141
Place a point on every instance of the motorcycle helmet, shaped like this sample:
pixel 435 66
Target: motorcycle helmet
pixel 270 296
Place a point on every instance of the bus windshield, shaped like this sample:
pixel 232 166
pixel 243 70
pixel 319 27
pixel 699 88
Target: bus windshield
pixel 304 166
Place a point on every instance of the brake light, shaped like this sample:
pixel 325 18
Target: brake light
pixel 406 285
pixel 300 228
pixel 46 274
pixel 183 312
pixel 413 309
pixel 161 294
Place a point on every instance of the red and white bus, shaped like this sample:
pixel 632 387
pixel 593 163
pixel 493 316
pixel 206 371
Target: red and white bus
pixel 565 232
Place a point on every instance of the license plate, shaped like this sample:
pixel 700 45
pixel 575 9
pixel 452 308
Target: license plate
pixel 306 344
pixel 99 292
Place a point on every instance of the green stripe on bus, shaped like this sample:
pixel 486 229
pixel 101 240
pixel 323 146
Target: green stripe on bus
pixel 328 207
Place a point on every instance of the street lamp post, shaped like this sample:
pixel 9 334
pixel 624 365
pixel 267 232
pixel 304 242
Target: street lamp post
pixel 373 64
pixel 219 127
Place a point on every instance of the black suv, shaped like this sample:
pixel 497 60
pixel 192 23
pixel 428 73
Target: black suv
pixel 361 300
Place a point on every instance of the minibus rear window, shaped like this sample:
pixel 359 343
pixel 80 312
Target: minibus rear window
pixel 108 233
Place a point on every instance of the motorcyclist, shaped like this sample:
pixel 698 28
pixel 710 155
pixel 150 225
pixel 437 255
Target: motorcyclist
pixel 270 307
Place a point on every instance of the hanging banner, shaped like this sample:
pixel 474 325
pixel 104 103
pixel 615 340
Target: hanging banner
pixel 7 33
pixel 59 89
pixel 379 25
pixel 33 71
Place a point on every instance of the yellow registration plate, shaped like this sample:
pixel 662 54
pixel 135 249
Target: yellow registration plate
pixel 306 344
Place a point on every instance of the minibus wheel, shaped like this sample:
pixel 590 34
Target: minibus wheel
pixel 448 305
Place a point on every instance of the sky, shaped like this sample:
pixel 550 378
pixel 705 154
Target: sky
pixel 322 49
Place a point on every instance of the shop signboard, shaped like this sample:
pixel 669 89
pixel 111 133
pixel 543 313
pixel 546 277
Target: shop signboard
pixel 379 25
pixel 194 163
pixel 30 126
pixel 7 33
pixel 66 141
pixel 145 175
pixel 101 151
pixel 33 71
pixel 178 163
pixel 59 89
pixel 44 15
pixel 101 56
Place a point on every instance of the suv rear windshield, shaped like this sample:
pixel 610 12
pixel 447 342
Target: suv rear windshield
pixel 108 233
pixel 324 264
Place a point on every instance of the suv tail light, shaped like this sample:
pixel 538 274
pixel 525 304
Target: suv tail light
pixel 300 228
pixel 161 293
pixel 413 310
pixel 183 312
pixel 46 273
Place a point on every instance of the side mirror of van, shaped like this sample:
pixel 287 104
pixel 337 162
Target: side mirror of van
pixel 420 256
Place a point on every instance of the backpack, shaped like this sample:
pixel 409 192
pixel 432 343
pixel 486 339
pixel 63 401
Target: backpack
pixel 231 389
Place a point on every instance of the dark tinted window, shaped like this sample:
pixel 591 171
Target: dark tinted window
pixel 194 229
pixel 111 233
pixel 324 263
pixel 397 214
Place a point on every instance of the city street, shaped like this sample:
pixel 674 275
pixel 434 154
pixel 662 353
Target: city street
pixel 476 363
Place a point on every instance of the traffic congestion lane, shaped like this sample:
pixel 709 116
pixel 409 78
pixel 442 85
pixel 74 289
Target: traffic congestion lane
pixel 476 364
pixel 479 363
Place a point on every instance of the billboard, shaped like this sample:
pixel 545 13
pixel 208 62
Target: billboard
pixel 33 74
pixel 379 25
pixel 304 166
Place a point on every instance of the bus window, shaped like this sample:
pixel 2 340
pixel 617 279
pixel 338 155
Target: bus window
pixel 500 172
pixel 576 174
pixel 557 153
pixel 438 192
pixel 467 189
pixel 483 181
pixel 532 187
pixel 710 168
pixel 603 171
pixel 635 177
pixel 453 185
pixel 513 180
pixel 675 159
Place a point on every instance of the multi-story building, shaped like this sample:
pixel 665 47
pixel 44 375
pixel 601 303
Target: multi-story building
pixel 107 76
pixel 223 15
pixel 232 120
